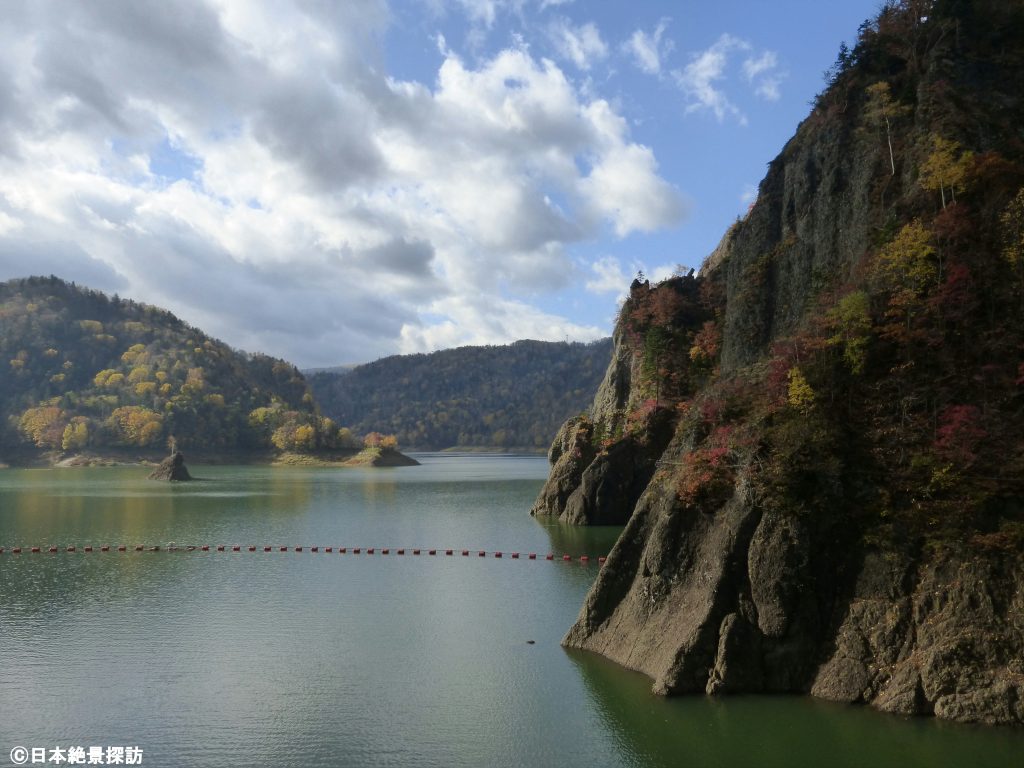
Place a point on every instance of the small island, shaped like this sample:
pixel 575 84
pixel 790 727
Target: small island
pixel 172 469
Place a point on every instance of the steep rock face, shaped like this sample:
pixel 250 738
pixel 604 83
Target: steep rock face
pixel 570 454
pixel 603 461
pixel 770 551
pixel 747 600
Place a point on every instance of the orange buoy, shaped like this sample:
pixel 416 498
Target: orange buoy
pixel 432 552
pixel 370 550
pixel 497 554
pixel 236 548
pixel 71 548
pixel 16 550
pixel 355 550
pixel 88 548
pixel 515 555
pixel 252 548
pixel 584 558
pixel 282 549
pixel 385 551
pixel 139 547
pixel 481 553
pixel 566 558
pixel 328 549
pixel 220 547
pixel 465 553
pixel 343 550
pixel 549 556
pixel 532 555
pixel 122 548
pixel 266 549
pixel 400 551
pixel 314 549
pixel 448 552
pixel 298 549
pixel 415 551
pixel 205 548
pixel 105 548
pixel 601 560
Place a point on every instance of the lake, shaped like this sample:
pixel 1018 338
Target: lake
pixel 327 659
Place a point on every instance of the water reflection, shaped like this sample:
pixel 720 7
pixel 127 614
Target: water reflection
pixel 778 731
pixel 576 540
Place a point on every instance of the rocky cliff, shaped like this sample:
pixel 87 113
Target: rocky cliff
pixel 816 444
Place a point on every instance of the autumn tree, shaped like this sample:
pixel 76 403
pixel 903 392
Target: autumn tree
pixel 800 395
pixel 44 426
pixel 850 321
pixel 946 168
pixel 906 268
pixel 1012 221
pixel 76 434
pixel 136 426
pixel 881 110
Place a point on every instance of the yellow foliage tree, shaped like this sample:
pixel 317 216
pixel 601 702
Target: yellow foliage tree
pixel 135 425
pixel 304 438
pixel 908 260
pixel 139 373
pixel 100 379
pixel 882 110
pixel 76 434
pixel 44 426
pixel 945 168
pixel 801 395
pixel 133 353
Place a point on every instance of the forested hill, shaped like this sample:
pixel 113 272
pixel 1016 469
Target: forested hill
pixel 83 371
pixel 491 396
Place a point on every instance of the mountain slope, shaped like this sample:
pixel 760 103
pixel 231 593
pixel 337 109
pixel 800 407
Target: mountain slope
pixel 817 444
pixel 86 371
pixel 493 396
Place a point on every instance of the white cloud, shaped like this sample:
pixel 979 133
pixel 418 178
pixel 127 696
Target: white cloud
pixel 699 79
pixel 582 45
pixel 661 272
pixel 253 169
pixel 649 49
pixel 754 66
pixel 608 276
pixel 762 72
pixel 478 320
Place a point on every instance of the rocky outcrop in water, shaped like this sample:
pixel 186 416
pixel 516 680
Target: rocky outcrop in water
pixel 171 469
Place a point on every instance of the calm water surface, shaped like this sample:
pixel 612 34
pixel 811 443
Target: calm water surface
pixel 287 659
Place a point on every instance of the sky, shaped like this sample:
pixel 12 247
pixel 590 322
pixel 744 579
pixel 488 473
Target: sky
pixel 333 182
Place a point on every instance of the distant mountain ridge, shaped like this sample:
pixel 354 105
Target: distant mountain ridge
pixel 512 396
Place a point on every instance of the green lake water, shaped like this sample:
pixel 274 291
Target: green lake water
pixel 303 659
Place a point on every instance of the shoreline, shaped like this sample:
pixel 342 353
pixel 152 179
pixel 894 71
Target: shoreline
pixel 362 458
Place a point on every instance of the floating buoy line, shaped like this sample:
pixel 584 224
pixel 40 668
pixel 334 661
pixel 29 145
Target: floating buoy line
pixel 381 551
